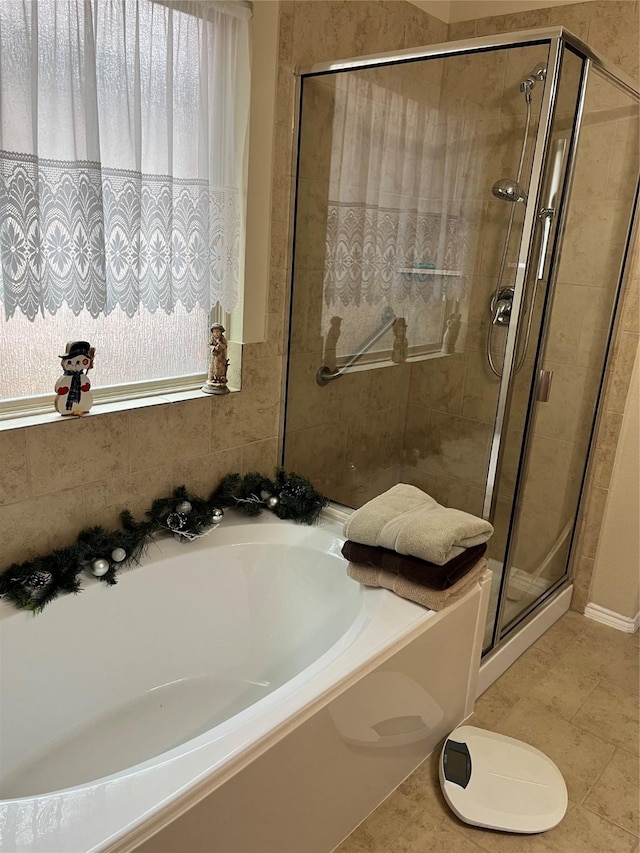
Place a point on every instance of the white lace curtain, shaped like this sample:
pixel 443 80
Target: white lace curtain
pixel 393 202
pixel 122 137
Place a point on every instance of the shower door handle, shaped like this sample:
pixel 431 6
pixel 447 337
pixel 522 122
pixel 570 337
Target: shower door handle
pixel 543 391
pixel 546 214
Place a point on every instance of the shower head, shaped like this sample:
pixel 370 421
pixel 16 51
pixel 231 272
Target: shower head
pixel 508 190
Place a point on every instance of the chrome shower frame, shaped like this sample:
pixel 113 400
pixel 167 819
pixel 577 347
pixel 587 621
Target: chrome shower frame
pixel 556 38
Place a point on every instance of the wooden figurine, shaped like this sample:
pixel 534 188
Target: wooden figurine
pixel 451 333
pixel 400 343
pixel 217 377
pixel 73 389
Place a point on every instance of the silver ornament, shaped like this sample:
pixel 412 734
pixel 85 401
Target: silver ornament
pixel 184 507
pixel 273 502
pixel 264 494
pixel 38 579
pixel 118 555
pixel 176 521
pixel 99 567
pixel 217 514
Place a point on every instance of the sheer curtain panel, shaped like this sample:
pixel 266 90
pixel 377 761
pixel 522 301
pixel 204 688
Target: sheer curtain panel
pixel 122 140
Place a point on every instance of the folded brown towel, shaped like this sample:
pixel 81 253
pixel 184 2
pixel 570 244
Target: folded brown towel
pixel 412 568
pixel 434 599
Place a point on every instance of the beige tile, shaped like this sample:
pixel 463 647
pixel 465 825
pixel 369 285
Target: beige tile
pixel 105 500
pixel 415 435
pixel 382 827
pixel 393 438
pixel 254 412
pixel 575 17
pixel 605 653
pixel 278 287
pixel 310 404
pixel 319 453
pixel 582 831
pixel 457 447
pixel 438 383
pixel 568 414
pixel 202 475
pixel 160 434
pixel 563 689
pixel 619 374
pixel 581 577
pixel 562 634
pixel 612 714
pixel 493 706
pixel 617 40
pixel 631 306
pixel 260 456
pixel 14 472
pixel 615 795
pixel 390 388
pixel 430 834
pixel 596 502
pixel 580 756
pixel 462 30
pixel 78 450
pixel 530 666
pixel 605 452
pixel 366 443
pixel 38 525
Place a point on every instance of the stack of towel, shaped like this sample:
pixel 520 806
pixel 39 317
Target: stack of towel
pixel 406 541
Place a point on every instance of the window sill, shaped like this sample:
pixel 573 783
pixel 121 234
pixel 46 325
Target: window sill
pixel 362 366
pixel 106 408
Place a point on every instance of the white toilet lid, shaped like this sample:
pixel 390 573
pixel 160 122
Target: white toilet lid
pixel 497 782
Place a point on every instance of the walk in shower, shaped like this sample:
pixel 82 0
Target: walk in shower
pixel 462 221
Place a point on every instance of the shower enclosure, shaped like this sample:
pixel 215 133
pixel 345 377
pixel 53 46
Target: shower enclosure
pixel 463 218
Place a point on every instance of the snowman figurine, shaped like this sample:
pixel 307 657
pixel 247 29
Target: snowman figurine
pixel 73 394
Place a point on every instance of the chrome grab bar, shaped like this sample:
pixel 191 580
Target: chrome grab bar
pixel 326 375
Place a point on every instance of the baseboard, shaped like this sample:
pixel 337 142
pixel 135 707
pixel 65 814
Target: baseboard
pixel 628 624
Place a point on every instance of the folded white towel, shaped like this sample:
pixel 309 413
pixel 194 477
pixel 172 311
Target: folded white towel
pixel 407 520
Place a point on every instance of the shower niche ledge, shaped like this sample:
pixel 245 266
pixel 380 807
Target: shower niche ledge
pixel 428 271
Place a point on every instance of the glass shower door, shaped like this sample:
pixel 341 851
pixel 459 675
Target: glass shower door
pixel 571 358
pixel 403 208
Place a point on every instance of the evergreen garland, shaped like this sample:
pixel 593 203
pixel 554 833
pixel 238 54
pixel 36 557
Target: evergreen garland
pixel 33 584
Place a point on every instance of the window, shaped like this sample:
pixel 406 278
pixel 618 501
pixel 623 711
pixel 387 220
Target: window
pixel 122 151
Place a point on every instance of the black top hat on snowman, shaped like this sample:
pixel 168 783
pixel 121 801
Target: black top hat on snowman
pixel 75 348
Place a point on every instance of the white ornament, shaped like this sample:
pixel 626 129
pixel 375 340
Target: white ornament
pixel 118 555
pixel 99 567
pixel 184 507
pixel 272 502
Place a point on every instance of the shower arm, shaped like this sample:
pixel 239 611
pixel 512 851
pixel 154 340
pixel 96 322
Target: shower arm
pixel 326 375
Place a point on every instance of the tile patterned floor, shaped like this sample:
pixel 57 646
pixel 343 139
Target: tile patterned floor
pixel 577 686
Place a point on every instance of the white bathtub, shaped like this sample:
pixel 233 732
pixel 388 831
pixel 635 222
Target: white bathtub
pixel 229 683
